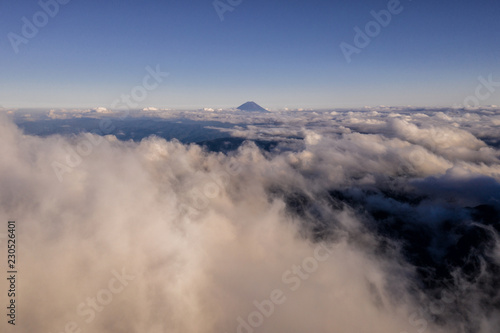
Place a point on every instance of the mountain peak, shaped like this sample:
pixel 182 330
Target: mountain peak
pixel 251 107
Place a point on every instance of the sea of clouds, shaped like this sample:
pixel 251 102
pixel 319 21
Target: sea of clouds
pixel 373 220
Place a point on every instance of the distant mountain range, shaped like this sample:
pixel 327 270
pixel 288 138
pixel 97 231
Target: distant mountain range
pixel 251 107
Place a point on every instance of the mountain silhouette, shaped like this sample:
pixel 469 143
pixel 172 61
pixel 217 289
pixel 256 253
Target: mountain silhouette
pixel 251 107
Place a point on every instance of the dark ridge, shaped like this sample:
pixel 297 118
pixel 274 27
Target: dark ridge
pixel 184 130
pixel 229 144
pixel 459 240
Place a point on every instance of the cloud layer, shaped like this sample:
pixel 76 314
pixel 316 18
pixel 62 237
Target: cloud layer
pixel 377 220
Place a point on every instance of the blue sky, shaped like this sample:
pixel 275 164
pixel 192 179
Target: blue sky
pixel 283 53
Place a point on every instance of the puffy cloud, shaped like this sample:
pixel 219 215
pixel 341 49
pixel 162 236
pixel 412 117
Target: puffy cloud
pixel 102 109
pixel 385 224
pixel 150 108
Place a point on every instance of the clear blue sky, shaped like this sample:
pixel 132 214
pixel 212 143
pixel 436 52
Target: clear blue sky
pixel 279 53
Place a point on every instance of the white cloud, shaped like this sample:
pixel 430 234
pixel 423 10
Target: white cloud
pixel 102 109
pixel 207 234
